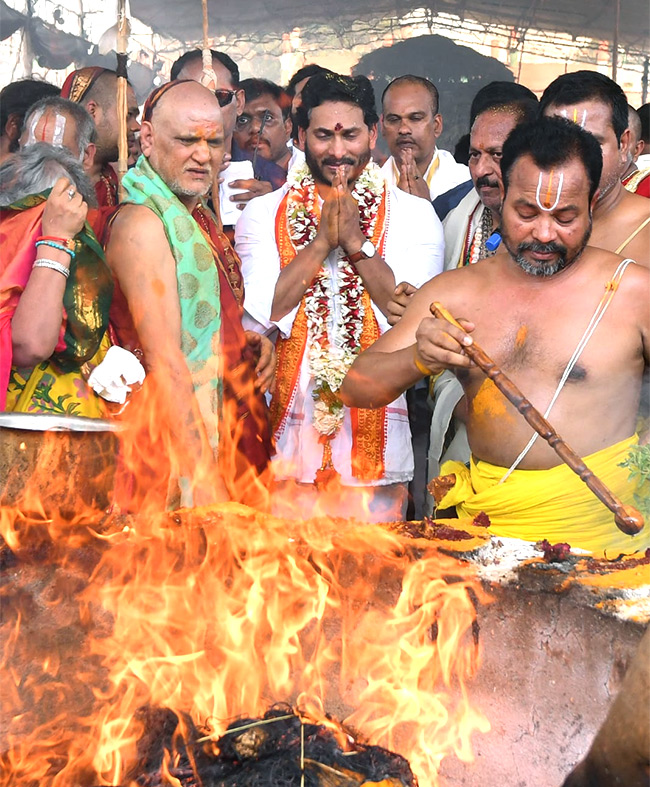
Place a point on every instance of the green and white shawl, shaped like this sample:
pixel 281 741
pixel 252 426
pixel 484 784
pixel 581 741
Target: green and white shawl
pixel 198 287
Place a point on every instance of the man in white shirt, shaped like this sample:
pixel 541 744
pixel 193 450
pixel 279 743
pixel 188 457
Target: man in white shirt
pixel 320 259
pixel 411 125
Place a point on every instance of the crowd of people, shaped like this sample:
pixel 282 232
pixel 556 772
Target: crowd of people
pixel 275 284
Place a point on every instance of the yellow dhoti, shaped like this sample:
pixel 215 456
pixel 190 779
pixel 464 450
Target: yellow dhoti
pixel 551 504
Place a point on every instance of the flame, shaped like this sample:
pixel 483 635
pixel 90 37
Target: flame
pixel 216 613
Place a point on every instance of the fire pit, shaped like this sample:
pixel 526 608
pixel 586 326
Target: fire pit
pixel 56 461
pixel 219 613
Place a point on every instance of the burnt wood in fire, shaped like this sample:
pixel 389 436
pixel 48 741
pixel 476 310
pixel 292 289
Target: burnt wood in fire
pixel 254 754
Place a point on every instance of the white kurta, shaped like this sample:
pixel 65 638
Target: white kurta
pixel 448 174
pixel 469 209
pixel 414 251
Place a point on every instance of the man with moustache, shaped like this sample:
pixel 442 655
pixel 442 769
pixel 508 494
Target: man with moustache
pixel 469 226
pixel 182 309
pixel 597 104
pixel 264 126
pixel 411 125
pixel 320 259
pixel 567 322
pixel 496 110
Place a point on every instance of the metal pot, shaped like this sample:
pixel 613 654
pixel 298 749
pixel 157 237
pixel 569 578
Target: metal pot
pixel 65 462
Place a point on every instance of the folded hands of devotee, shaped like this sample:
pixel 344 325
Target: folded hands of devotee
pixel 400 300
pixel 263 352
pixel 410 179
pixel 339 224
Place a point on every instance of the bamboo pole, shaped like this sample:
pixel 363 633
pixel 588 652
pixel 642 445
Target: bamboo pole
pixel 209 80
pixel 617 25
pixel 122 104
pixel 627 518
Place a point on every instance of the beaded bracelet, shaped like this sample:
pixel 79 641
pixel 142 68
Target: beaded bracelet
pixel 69 243
pixel 53 265
pixel 57 246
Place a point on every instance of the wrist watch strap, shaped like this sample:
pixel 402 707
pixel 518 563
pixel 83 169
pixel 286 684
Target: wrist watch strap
pixel 364 253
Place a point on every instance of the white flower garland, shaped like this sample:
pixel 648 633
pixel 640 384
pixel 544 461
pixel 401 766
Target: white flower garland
pixel 329 361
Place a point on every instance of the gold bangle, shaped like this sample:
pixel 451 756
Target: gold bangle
pixel 420 366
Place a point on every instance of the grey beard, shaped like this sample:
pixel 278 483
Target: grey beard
pixel 542 271
pixel 179 191
pixel 548 269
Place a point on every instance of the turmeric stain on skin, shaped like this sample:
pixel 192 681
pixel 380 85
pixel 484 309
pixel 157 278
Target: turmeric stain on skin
pixel 520 338
pixel 158 287
pixel 489 403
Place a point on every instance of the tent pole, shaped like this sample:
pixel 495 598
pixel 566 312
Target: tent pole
pixel 208 77
pixel 122 110
pixel 209 80
pixel 27 53
pixel 615 42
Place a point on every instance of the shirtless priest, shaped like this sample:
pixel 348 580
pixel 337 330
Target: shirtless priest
pixel 562 319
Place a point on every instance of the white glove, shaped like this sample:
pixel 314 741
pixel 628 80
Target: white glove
pixel 113 377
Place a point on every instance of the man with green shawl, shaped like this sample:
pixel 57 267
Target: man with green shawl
pixel 166 267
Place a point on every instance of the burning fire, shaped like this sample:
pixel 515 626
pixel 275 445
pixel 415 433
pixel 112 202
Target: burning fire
pixel 217 613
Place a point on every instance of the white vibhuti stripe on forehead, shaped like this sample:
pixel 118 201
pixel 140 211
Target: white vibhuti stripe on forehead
pixel 59 131
pixel 584 117
pixel 31 138
pixel 565 114
pixel 548 208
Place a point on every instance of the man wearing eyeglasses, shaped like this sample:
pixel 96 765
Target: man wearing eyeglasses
pixel 231 100
pixel 264 127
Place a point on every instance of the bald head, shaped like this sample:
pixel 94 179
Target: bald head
pixel 183 139
pixel 227 80
pixel 177 96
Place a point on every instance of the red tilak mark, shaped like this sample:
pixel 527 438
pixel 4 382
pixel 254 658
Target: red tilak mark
pixel 46 119
pixel 338 127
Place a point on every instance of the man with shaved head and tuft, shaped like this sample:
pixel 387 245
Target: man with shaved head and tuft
pixel 180 300
pixel 598 105
pixel 95 89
